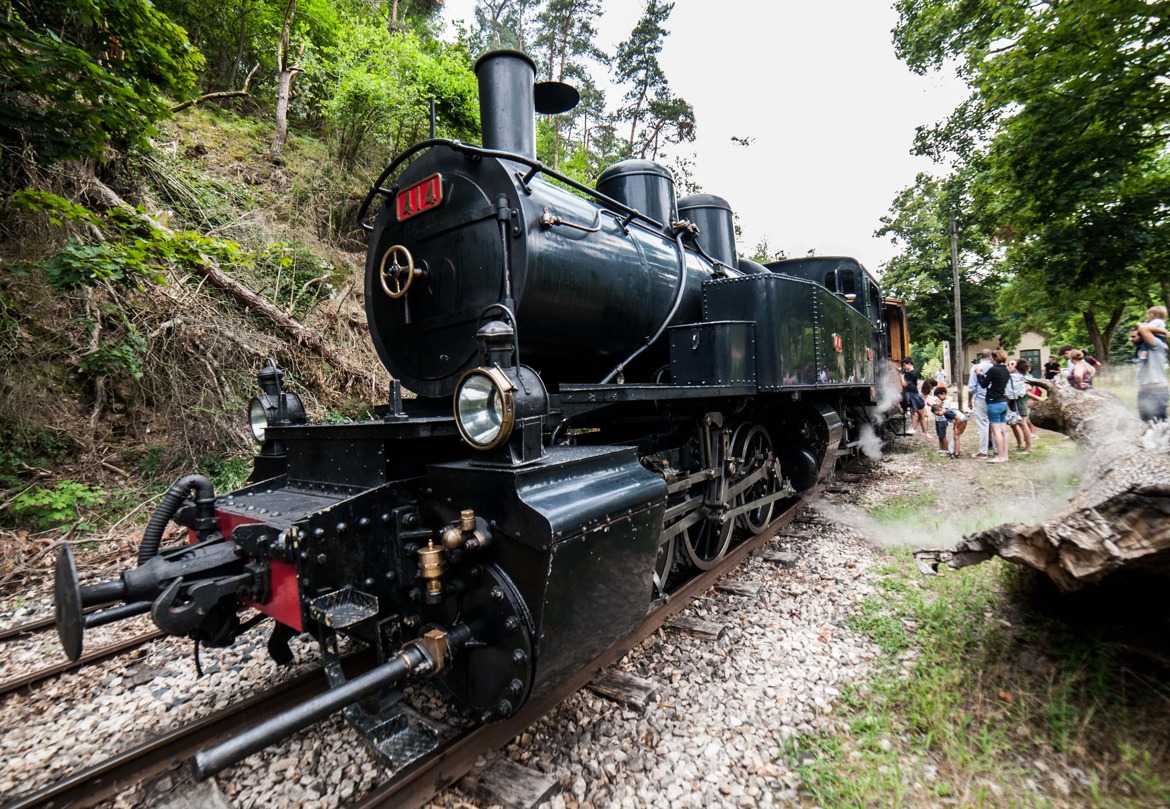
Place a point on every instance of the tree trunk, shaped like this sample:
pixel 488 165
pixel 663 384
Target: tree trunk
pixel 1119 517
pixel 285 78
pixel 1102 339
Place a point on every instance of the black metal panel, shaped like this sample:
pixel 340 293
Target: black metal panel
pixel 805 335
pixel 575 400
pixel 358 544
pixel 783 309
pixel 338 462
pixel 578 534
pixel 360 455
pixel 719 353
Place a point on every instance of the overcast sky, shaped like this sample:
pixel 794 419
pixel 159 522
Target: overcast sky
pixel 817 86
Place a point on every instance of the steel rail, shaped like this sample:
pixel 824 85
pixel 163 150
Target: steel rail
pixel 40 675
pixel 39 624
pixel 417 784
pixel 106 779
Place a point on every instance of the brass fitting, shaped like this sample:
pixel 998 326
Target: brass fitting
pixel 431 566
pixel 451 537
pixel 435 646
pixel 463 535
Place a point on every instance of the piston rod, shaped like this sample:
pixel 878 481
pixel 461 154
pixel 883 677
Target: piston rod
pixel 411 660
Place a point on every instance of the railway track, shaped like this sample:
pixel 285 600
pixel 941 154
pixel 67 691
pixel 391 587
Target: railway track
pixel 26 681
pixel 23 682
pixel 417 784
pixel 105 780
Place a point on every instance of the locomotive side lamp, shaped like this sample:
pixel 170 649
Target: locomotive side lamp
pixel 272 407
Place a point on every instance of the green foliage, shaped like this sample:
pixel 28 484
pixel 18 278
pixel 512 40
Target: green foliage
pixel 226 473
pixel 134 252
pixel 951 711
pixel 375 87
pixel 905 509
pixel 921 274
pixel 24 444
pixel 1061 144
pixel 122 355
pixel 292 275
pixel 243 33
pixel 45 506
pixel 79 77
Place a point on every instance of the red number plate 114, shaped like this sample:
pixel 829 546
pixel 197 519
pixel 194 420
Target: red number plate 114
pixel 420 197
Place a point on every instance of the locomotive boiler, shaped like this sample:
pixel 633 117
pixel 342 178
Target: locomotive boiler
pixel 606 395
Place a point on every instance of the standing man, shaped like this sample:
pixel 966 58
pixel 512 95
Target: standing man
pixel 1153 391
pixel 977 401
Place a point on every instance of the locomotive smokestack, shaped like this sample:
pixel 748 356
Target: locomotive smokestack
pixel 507 106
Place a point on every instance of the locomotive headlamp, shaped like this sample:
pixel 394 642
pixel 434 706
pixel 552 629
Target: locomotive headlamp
pixel 504 409
pixel 273 406
pixel 485 407
pixel 258 417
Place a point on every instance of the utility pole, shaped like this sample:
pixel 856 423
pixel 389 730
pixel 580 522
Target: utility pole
pixel 960 369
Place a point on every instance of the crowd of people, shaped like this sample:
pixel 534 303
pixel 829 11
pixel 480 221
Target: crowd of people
pixel 999 392
pixel 998 395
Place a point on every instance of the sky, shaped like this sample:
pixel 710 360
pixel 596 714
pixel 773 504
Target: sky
pixel 829 108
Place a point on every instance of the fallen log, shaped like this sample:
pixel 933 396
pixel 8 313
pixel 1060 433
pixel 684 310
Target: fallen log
pixel 1119 517
pixel 310 338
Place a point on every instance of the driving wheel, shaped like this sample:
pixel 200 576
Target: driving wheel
pixel 753 446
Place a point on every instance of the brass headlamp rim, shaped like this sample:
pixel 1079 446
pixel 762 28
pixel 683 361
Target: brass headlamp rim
pixel 503 383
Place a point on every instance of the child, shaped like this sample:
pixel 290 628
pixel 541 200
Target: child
pixel 1156 321
pixel 944 411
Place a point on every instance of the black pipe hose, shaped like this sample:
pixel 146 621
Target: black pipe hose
pixel 162 516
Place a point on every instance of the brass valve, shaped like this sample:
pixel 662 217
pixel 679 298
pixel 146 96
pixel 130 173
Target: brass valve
pixel 431 566
pixel 464 535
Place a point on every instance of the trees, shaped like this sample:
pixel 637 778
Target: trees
pixel 503 24
pixel 921 275
pixel 76 78
pixel 656 115
pixel 1062 142
pixel 375 86
pixel 563 45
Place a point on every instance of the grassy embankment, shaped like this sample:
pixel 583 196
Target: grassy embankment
pixel 994 690
pixel 83 458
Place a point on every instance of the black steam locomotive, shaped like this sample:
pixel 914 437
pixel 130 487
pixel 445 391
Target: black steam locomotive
pixel 606 395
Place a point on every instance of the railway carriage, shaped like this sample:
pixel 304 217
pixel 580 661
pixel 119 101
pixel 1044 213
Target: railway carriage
pixel 606 399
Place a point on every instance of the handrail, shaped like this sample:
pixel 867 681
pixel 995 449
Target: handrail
pixel 478 151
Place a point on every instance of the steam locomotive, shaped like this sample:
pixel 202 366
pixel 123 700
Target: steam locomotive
pixel 606 395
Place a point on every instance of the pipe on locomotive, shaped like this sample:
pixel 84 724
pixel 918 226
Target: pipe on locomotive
pixel 424 657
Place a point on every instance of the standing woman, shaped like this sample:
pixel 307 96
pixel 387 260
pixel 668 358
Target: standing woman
pixel 995 380
pixel 1023 367
pixel 1017 394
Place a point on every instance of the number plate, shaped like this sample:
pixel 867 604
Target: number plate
pixel 420 197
